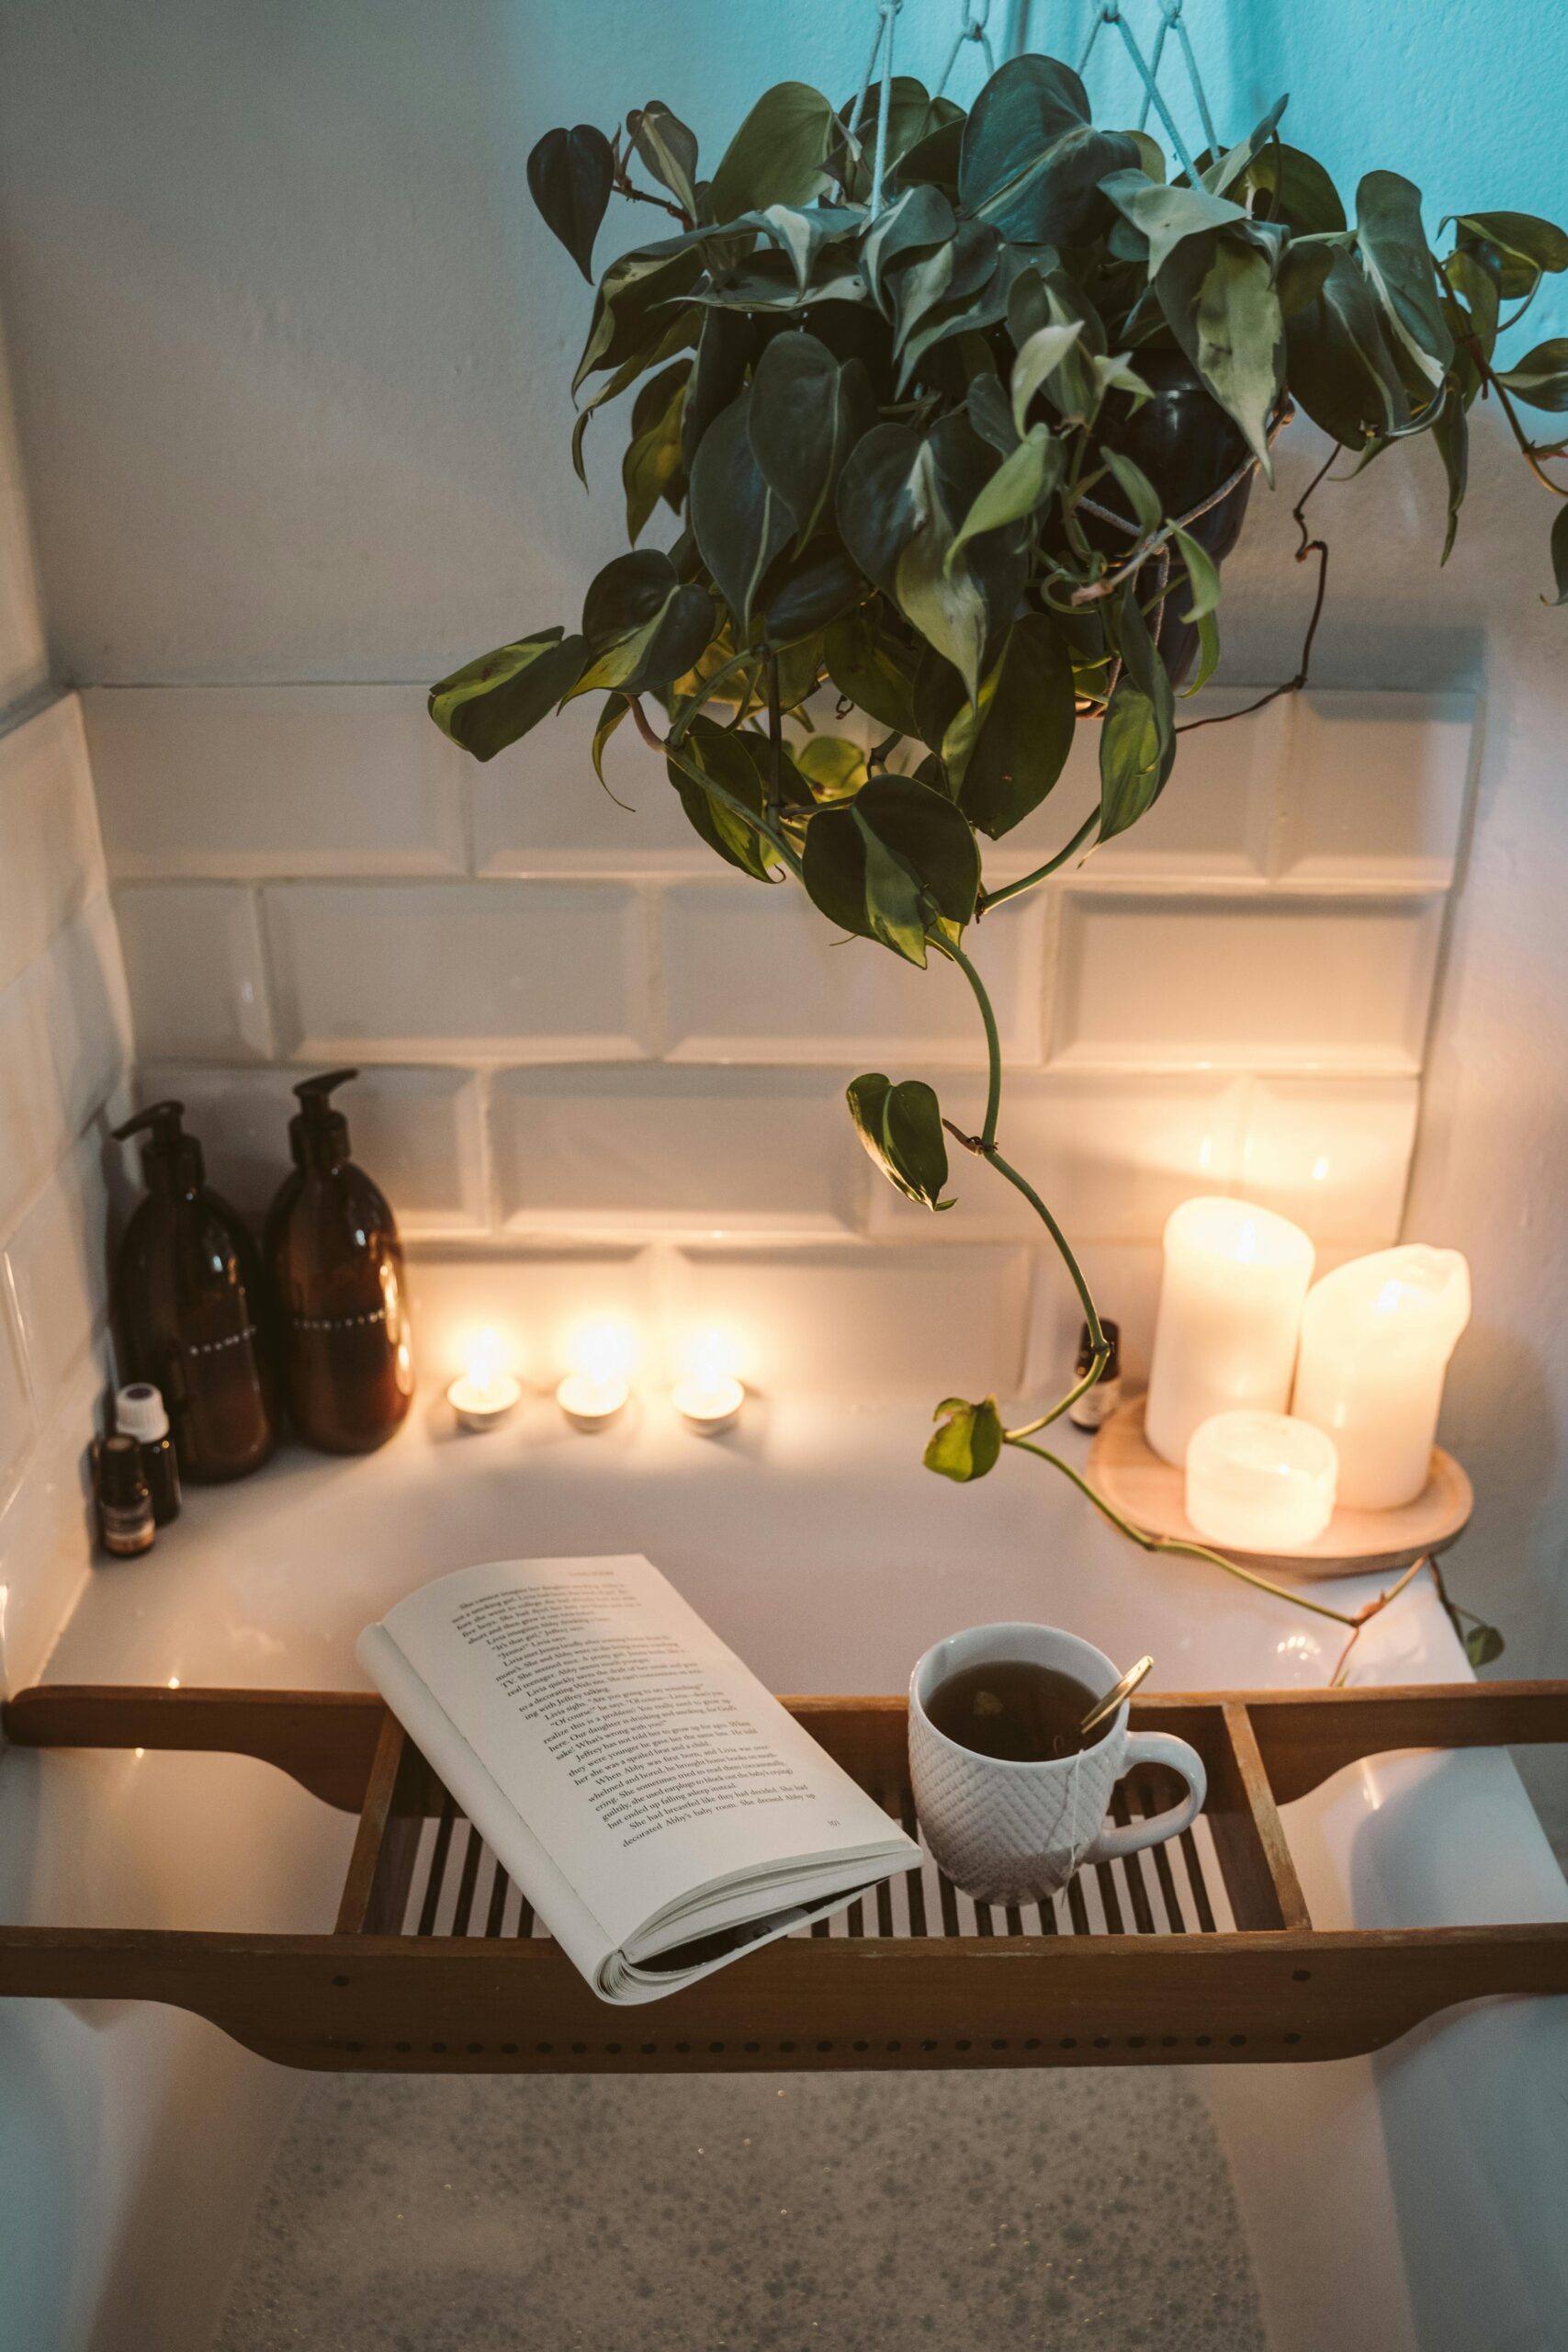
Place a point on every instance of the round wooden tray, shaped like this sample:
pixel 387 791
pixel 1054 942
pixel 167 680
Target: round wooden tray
pixel 1150 1491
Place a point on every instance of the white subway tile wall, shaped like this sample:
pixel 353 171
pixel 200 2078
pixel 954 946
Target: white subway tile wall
pixel 598 1062
pixel 64 1065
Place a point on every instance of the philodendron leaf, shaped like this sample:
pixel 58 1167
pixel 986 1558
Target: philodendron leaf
pixel 644 625
pixel 877 507
pixel 866 664
pixel 807 592
pixel 1560 558
pixel 729 762
pixel 1219 299
pixel 1137 737
pixel 570 177
pixel 1452 434
pixel 807 410
pixel 652 465
pixel 901 1129
pixel 614 710
pixel 1394 254
pixel 1541 377
pixel 938 596
pixel 970 1443
pixel 1148 509
pixel 1230 166
pixel 738 520
pixel 629 322
pixel 1037 362
pixel 1526 244
pixel 1022 483
pixel 669 149
pixel 1165 215
pixel 1032 159
pixel 1483 1643
pixel 890 863
pixel 1341 369
pixel 1027 732
pixel 833 767
pixel 990 412
pixel 494 701
pixel 1203 574
pixel 776 156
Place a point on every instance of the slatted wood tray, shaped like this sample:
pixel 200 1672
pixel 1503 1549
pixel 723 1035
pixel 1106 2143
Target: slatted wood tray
pixel 1198 1952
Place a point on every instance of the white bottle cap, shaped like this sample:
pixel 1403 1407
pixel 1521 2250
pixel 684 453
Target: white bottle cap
pixel 139 1412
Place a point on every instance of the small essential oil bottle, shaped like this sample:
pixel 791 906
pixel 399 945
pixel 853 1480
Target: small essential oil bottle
pixel 126 1525
pixel 139 1412
pixel 1096 1404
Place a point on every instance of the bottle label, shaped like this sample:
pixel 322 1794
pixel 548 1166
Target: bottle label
pixel 217 1347
pixel 337 1322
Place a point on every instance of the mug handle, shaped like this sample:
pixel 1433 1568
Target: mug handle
pixel 1155 1747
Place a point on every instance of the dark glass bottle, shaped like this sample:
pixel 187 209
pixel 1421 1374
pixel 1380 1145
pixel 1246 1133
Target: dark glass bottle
pixel 191 1306
pixel 337 1273
pixel 139 1412
pixel 126 1525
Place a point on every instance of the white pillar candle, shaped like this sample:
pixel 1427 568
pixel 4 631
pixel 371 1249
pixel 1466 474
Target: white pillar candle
pixel 1259 1481
pixel 1230 1309
pixel 1376 1339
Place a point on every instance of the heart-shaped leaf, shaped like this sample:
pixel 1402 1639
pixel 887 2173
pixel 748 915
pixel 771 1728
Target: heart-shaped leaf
pixel 806 592
pixel 1341 369
pixel 644 627
pixel 1525 244
pixel 1541 377
pixel 878 511
pixel 1027 732
pixel 1219 299
pixel 650 468
pixel 738 520
pixel 570 176
pixel 1033 160
pixel 728 784
pixel 1021 485
pixel 669 149
pixel 1395 257
pixel 1137 736
pixel 1165 215
pixel 807 410
pixel 1037 362
pixel 867 665
pixel 1483 1643
pixel 901 1129
pixel 776 156
pixel 970 1443
pixel 1560 558
pixel 494 701
pixel 892 862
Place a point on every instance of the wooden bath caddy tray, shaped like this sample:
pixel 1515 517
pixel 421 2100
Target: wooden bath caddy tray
pixel 1197 1952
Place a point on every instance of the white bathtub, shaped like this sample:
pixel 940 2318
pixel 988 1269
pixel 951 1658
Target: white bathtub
pixel 1414 2201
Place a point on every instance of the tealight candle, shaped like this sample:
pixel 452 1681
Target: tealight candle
pixel 1376 1339
pixel 1230 1309
pixel 486 1392
pixel 597 1387
pixel 709 1399
pixel 1259 1481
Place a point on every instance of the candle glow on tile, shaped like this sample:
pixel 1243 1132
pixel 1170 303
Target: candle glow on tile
pixel 1230 1309
pixel 1261 1482
pixel 486 1391
pixel 1376 1339
pixel 710 1396
pixel 602 1355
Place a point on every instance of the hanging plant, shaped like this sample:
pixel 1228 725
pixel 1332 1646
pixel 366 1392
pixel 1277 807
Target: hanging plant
pixel 958 417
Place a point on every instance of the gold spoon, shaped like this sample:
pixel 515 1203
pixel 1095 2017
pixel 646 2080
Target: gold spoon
pixel 1113 1697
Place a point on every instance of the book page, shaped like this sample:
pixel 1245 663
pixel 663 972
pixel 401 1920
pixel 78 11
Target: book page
pixel 642 1754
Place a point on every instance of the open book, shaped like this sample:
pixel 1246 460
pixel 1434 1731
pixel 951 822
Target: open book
pixel 660 1811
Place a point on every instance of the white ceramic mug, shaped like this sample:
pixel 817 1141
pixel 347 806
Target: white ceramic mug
pixel 1009 1832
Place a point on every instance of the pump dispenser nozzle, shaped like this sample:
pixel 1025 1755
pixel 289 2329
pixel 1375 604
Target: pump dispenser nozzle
pixel 318 1133
pixel 169 1155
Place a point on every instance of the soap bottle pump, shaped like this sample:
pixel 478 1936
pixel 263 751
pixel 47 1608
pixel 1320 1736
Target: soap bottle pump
pixel 191 1307
pixel 337 1271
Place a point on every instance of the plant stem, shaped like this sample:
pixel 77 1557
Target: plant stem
pixel 1309 546
pixel 989 899
pixel 712 787
pixel 1176 1544
pixel 775 742
pixel 682 726
pixel 988 1140
pixel 985 1144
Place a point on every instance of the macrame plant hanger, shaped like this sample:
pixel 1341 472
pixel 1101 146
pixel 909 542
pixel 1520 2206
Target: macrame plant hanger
pixel 973 20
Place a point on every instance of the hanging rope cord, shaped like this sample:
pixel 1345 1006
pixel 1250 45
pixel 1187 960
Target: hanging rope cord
pixel 888 13
pixel 1109 13
pixel 977 15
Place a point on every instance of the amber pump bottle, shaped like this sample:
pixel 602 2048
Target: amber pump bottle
pixel 337 1272
pixel 191 1305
